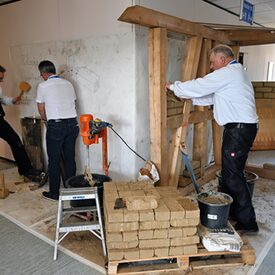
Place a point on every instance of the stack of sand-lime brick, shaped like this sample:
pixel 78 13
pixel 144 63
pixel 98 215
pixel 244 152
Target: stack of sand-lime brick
pixel 156 221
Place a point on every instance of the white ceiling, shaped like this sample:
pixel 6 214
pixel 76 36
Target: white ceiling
pixel 264 10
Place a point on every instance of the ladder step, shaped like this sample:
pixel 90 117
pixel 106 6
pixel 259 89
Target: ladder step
pixel 77 191
pixel 79 227
pixel 79 209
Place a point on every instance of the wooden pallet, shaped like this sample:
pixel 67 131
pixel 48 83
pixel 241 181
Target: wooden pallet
pixel 204 259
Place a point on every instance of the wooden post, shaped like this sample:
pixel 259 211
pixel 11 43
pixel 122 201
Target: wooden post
pixel 217 142
pixel 200 129
pixel 3 191
pixel 189 71
pixel 158 100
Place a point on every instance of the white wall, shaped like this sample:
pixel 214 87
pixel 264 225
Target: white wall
pixel 105 59
pixel 257 58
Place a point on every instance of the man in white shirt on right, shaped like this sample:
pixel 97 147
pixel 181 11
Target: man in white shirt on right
pixel 228 88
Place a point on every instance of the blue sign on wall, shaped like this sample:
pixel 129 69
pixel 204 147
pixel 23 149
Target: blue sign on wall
pixel 247 12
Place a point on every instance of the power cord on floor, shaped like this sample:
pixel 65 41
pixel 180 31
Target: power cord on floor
pixel 111 127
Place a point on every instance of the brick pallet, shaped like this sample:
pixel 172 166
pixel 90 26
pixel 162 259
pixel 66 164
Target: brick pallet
pixel 156 221
pixel 201 260
pixel 157 230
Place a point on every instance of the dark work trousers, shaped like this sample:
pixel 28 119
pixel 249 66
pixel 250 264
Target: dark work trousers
pixel 60 138
pixel 19 153
pixel 237 140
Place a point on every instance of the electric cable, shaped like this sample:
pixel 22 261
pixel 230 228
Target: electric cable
pixel 111 127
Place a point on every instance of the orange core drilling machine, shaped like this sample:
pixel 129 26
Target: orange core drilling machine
pixel 91 131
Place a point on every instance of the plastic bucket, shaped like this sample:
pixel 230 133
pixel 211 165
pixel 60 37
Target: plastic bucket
pixel 250 180
pixel 214 209
pixel 80 181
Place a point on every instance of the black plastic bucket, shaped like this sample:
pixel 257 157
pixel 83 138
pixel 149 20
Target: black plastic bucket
pixel 214 209
pixel 80 181
pixel 250 180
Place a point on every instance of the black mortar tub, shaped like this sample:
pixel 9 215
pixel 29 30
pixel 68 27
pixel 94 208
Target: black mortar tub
pixel 80 181
pixel 250 180
pixel 214 208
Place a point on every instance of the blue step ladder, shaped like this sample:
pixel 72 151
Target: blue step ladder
pixel 63 228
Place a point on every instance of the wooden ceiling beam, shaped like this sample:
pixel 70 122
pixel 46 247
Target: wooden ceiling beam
pixel 151 18
pixel 249 38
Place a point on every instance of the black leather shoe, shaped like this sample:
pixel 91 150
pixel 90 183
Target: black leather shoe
pixel 49 196
pixel 250 228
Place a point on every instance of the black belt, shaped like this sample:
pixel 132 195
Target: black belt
pixel 62 119
pixel 240 125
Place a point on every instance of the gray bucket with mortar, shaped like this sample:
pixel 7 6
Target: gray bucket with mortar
pixel 250 180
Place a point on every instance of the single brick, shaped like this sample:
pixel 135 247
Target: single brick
pixel 263 89
pixel 141 203
pixel 185 222
pixel 113 237
pixel 113 215
pixel 189 231
pixel 191 209
pixel 185 241
pixel 154 225
pixel 137 193
pixel 115 254
pixel 257 84
pixel 121 186
pixel 269 84
pixel 174 232
pixel 269 95
pixel 259 95
pixel 146 215
pixel 154 243
pixel 152 192
pixel 160 234
pixel 166 192
pixel 176 250
pixel 121 227
pixel 145 234
pixel 145 253
pixel 122 245
pixel 162 212
pixel 162 252
pixel 130 236
pixel 190 249
pixel 130 216
pixel 177 212
pixel 124 194
pixel 131 254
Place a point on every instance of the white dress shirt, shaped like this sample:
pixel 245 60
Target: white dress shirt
pixel 228 88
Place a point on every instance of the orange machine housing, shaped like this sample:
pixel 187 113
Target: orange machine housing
pixel 89 139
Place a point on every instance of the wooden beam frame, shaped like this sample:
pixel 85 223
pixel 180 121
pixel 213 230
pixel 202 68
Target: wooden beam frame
pixel 152 18
pixel 189 71
pixel 195 64
pixel 158 103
